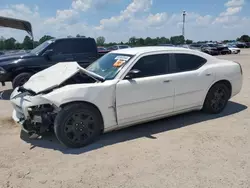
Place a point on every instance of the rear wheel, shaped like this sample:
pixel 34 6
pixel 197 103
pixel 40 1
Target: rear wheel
pixel 216 99
pixel 20 79
pixel 77 125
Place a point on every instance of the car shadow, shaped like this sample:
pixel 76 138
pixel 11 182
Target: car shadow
pixel 5 94
pixel 49 140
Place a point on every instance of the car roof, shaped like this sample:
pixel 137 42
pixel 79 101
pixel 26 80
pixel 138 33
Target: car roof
pixel 73 38
pixel 142 50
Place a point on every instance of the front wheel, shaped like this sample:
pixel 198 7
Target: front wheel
pixel 216 99
pixel 77 125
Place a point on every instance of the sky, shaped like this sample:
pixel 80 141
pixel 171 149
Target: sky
pixel 118 20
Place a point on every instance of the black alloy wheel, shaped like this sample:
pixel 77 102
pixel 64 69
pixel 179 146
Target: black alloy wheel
pixel 77 125
pixel 219 99
pixel 20 80
pixel 216 99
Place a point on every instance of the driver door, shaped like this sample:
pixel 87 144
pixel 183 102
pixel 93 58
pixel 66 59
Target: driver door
pixel 147 95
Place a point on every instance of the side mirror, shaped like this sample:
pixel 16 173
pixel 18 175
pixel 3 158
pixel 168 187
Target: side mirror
pixel 48 53
pixel 132 74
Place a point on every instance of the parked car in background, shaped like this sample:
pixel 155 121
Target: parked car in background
pixel 19 67
pixel 210 49
pixel 248 44
pixel 234 49
pixel 102 50
pixel 223 49
pixel 117 47
pixel 123 88
pixel 196 46
pixel 241 45
pixel 165 45
pixel 185 46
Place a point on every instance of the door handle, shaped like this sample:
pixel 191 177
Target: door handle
pixel 166 81
pixel 208 74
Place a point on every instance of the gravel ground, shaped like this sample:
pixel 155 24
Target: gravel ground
pixel 190 150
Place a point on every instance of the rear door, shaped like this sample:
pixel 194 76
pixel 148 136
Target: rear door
pixel 191 79
pixel 149 94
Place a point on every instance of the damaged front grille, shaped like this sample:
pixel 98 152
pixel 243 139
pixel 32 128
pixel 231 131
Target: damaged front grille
pixel 41 118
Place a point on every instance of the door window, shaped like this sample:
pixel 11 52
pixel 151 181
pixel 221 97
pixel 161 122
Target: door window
pixel 188 62
pixel 62 47
pixel 152 65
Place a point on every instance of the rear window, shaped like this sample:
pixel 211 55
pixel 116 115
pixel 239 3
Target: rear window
pixel 188 62
pixel 83 45
pixel 75 46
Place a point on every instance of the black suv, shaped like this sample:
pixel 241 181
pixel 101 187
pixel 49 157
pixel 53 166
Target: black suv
pixel 18 68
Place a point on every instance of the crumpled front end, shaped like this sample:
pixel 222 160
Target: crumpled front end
pixel 35 114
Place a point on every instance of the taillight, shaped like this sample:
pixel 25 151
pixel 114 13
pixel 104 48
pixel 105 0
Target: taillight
pixel 240 67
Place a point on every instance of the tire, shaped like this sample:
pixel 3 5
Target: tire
pixel 20 79
pixel 74 131
pixel 216 99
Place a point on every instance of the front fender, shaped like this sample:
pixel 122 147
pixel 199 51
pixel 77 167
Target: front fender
pixel 101 95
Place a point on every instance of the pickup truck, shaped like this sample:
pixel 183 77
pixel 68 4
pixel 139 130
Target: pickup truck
pixel 18 68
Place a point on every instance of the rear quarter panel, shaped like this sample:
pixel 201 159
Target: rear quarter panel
pixel 231 71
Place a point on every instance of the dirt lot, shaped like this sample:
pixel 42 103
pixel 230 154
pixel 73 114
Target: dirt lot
pixel 191 150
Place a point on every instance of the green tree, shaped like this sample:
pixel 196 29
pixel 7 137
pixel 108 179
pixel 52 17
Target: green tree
pixel 9 44
pixel 189 41
pixel 154 41
pixel 244 38
pixel 2 41
pixel 132 41
pixel 148 41
pixel 177 40
pixel 45 38
pixel 27 43
pixel 18 46
pixel 140 42
pixel 36 43
pixel 100 41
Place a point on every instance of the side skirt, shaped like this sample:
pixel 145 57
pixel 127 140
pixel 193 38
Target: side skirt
pixel 129 124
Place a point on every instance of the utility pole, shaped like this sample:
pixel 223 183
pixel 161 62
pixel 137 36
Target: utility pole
pixel 183 26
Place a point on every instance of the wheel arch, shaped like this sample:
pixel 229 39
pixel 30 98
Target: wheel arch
pixel 20 71
pixel 223 81
pixel 86 103
pixel 226 83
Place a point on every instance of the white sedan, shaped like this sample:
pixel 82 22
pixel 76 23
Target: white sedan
pixel 234 49
pixel 123 88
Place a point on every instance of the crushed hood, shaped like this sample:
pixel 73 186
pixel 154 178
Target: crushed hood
pixel 54 76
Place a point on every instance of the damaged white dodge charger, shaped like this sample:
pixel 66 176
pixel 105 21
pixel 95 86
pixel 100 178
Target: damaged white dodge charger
pixel 123 88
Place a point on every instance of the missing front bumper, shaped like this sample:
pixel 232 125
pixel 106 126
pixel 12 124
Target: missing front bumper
pixel 40 120
pixel 19 120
